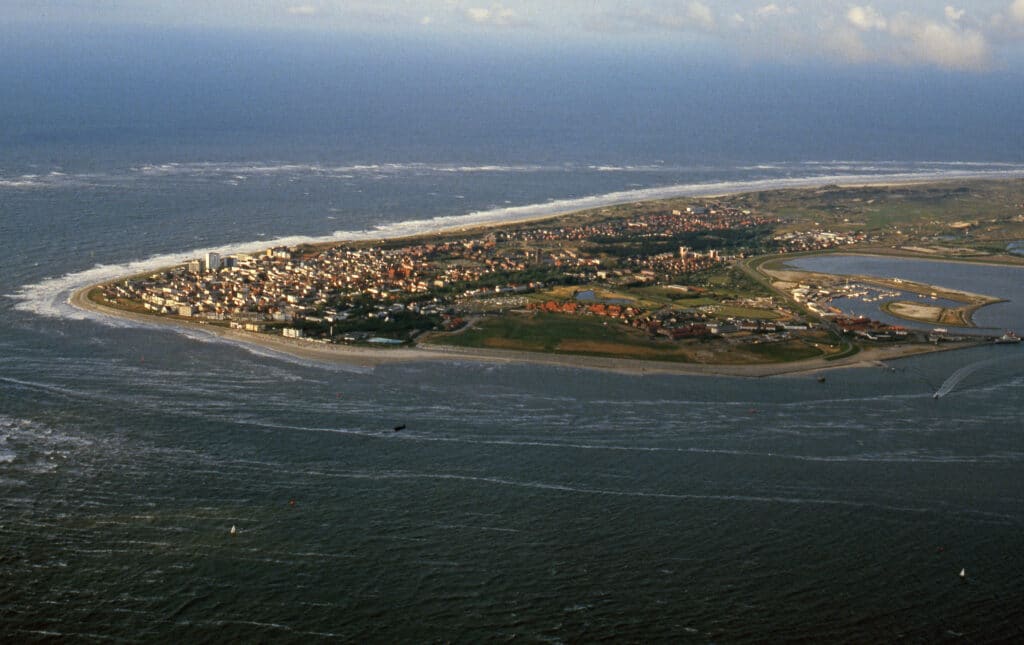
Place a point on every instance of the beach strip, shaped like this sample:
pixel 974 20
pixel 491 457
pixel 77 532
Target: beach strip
pixel 372 357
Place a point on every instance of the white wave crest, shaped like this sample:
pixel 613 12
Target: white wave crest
pixel 242 169
pixel 233 172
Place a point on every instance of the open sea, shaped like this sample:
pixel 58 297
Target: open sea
pixel 521 503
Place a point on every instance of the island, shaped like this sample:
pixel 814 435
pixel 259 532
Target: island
pixel 685 284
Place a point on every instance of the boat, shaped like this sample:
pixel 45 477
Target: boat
pixel 400 427
pixel 234 531
pixel 963 574
pixel 1009 338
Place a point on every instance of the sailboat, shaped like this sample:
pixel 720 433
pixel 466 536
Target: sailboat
pixel 963 574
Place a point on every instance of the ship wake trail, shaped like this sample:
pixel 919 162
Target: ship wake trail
pixel 956 377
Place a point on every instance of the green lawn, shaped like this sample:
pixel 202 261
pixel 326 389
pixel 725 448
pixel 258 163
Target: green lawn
pixel 792 350
pixel 589 335
pixel 544 332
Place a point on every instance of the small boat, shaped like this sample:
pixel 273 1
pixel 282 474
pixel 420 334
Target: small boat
pixel 401 427
pixel 821 379
pixel 963 574
pixel 234 531
pixel 1008 338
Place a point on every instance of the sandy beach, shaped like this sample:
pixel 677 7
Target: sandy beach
pixel 372 357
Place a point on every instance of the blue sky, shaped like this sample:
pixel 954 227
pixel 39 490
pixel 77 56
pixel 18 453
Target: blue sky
pixel 978 36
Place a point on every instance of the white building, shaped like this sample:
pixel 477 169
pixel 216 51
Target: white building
pixel 212 261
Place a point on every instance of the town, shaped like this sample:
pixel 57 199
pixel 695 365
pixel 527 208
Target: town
pixel 395 291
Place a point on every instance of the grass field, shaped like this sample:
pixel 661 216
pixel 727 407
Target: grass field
pixel 594 336
pixel 544 332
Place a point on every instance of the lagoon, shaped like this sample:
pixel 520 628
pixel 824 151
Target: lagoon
pixel 1001 281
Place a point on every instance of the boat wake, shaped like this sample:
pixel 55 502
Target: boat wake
pixel 958 376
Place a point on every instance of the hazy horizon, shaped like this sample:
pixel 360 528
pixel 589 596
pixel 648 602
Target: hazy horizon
pixel 115 91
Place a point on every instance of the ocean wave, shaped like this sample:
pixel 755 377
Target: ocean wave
pixel 241 170
pixel 32 447
pixel 56 179
pixel 237 172
pixel 50 297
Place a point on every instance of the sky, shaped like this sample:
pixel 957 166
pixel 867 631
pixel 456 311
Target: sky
pixel 978 37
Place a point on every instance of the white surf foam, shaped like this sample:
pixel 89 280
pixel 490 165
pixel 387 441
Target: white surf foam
pixel 956 377
pixel 237 171
pixel 240 170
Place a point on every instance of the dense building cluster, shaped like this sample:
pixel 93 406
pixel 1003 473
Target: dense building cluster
pixel 295 287
pixel 815 240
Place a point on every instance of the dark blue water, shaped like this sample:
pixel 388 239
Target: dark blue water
pixel 521 502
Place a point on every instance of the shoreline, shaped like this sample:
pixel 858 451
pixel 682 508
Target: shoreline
pixel 474 227
pixel 370 357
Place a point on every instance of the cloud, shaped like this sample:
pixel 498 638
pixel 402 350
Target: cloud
pixel 954 15
pixel 865 18
pixel 496 15
pixel 943 45
pixel 1017 11
pixel 771 10
pixel 693 16
pixel 302 10
pixel 768 10
pixel 950 48
pixel 700 15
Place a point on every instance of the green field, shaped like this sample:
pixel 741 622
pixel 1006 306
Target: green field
pixel 904 214
pixel 545 332
pixel 595 336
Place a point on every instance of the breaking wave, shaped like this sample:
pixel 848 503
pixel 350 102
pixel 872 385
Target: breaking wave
pixel 234 172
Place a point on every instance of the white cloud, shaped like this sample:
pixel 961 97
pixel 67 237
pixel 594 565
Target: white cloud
pixel 700 15
pixel 426 20
pixel 302 10
pixel 694 16
pixel 952 49
pixel 496 15
pixel 478 14
pixel 943 45
pixel 865 18
pixel 1017 10
pixel 768 10
pixel 953 14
